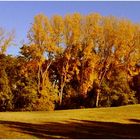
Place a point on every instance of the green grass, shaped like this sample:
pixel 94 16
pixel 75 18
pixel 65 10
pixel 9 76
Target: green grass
pixel 117 122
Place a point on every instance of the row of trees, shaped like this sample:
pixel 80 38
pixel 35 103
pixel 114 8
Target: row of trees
pixel 72 62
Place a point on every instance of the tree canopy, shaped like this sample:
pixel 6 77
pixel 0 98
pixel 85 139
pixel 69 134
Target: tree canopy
pixel 72 61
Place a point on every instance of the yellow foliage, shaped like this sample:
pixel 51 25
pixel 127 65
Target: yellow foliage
pixel 88 45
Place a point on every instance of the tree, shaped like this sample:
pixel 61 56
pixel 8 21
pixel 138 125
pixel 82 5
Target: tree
pixel 118 46
pixel 5 91
pixel 6 97
pixel 5 40
pixel 43 41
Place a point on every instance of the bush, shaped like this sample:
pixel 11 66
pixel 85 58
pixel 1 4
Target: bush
pixel 26 98
pixel 117 92
pixel 47 100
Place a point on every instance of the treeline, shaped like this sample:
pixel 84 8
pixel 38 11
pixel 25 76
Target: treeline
pixel 74 61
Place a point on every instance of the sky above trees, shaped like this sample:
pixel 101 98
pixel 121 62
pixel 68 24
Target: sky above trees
pixel 18 16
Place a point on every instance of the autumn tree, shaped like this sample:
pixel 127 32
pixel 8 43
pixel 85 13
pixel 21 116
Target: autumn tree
pixel 93 45
pixel 6 96
pixel 116 48
pixel 6 40
pixel 45 43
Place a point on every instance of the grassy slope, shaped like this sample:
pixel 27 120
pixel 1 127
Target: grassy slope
pixel 119 122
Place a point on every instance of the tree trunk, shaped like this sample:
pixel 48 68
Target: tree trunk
pixel 98 90
pixel 97 97
pixel 61 94
pixel 38 80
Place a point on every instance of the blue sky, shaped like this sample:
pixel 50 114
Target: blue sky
pixel 19 15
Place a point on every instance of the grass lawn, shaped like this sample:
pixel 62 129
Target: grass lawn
pixel 117 122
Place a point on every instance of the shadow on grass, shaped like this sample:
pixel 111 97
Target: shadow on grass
pixel 78 129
